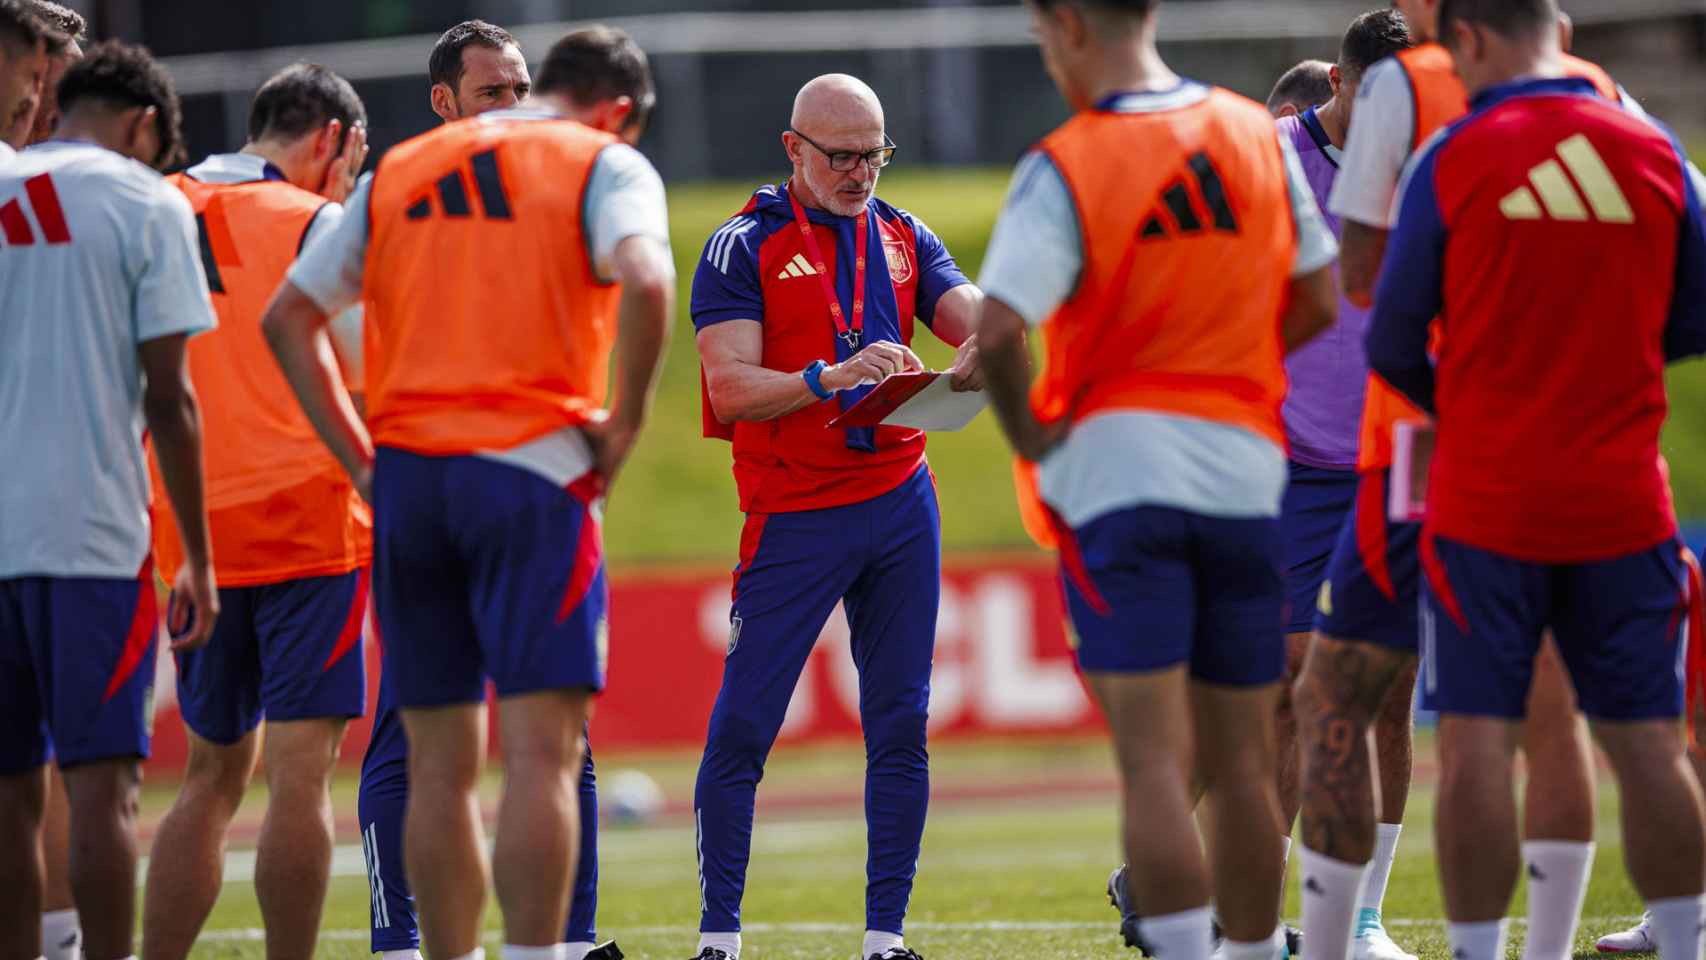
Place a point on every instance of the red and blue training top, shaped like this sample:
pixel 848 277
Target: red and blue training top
pixel 1560 241
pixel 757 267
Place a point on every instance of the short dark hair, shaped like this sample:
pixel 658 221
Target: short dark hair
pixel 64 21
pixel 1309 84
pixel 600 63
pixel 1507 18
pixel 21 25
pixel 123 76
pixel 302 98
pixel 445 65
pixel 1373 37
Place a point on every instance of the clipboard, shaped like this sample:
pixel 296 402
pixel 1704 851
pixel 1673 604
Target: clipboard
pixel 921 401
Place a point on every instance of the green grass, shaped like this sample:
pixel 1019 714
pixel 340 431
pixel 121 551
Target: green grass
pixel 1020 876
pixel 676 502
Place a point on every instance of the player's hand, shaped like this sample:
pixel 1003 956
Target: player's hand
pixel 611 442
pixel 874 364
pixel 966 375
pixel 192 608
pixel 340 179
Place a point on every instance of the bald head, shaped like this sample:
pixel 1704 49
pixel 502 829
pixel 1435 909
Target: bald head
pixel 836 101
pixel 835 115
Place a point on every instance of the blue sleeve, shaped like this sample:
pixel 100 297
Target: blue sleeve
pixel 1407 300
pixel 937 271
pixel 1685 329
pixel 726 284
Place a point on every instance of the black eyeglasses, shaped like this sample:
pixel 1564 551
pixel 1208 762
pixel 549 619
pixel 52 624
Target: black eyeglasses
pixel 843 161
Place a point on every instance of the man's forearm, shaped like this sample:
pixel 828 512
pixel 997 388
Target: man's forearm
pixel 296 331
pixel 174 427
pixel 746 391
pixel 1361 251
pixel 641 335
pixel 1007 374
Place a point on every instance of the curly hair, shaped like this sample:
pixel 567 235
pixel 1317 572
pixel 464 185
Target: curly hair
pixel 122 76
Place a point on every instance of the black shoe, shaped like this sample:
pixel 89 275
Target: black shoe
pixel 712 953
pixel 1293 942
pixel 1119 897
pixel 896 953
pixel 605 951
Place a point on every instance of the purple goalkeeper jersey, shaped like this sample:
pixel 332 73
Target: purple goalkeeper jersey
pixel 1323 407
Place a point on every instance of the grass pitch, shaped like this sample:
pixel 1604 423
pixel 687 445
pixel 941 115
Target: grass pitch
pixel 1019 844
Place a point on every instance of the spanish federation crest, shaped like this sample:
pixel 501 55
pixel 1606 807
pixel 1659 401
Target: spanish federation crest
pixel 900 261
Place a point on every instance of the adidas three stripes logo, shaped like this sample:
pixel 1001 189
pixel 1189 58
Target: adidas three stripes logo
pixel 797 267
pixel 1551 194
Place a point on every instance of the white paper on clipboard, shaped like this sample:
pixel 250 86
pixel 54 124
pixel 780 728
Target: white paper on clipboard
pixel 1412 457
pixel 938 407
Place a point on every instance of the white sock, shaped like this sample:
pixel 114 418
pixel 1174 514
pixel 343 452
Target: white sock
pixel 1676 926
pixel 60 937
pixel 1380 867
pixel 400 955
pixel 729 943
pixel 1557 884
pixel 1477 941
pixel 879 942
pixel 478 953
pixel 1268 949
pixel 1331 889
pixel 577 950
pixel 514 952
pixel 1185 935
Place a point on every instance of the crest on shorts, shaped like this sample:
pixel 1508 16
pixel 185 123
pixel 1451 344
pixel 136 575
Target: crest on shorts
pixel 900 262
pixel 734 634
pixel 1324 599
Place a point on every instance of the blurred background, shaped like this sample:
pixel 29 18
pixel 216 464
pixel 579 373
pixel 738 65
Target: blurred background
pixel 965 95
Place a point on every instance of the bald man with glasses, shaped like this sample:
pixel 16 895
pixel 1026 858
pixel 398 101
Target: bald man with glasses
pixel 803 302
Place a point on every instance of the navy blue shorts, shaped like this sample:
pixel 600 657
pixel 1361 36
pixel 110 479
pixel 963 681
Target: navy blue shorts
pixel 482 569
pixel 286 651
pixel 76 669
pixel 1152 587
pixel 1317 501
pixel 1620 626
pixel 1372 592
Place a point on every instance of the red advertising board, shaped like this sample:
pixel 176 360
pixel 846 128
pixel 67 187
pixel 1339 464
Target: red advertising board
pixel 1003 665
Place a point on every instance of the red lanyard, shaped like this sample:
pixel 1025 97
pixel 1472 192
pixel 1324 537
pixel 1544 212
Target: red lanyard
pixel 855 332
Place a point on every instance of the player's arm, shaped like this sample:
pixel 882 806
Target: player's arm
pixel 174 428
pixel 647 275
pixel 949 304
pixel 627 222
pixel 1685 329
pixel 171 305
pixel 1035 256
pixel 1407 300
pixel 1362 249
pixel 743 388
pixel 325 280
pixel 1375 150
pixel 297 331
pixel 1312 305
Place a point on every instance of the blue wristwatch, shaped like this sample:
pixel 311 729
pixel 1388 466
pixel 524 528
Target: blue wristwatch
pixel 812 375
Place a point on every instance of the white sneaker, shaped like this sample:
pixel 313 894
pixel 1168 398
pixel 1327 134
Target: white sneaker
pixel 1637 939
pixel 1372 943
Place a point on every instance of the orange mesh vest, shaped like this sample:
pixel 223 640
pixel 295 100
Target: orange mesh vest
pixel 1188 242
pixel 279 505
pixel 1440 98
pixel 487 325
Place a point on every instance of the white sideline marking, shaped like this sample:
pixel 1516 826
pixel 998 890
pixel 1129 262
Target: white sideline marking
pixel 256 935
